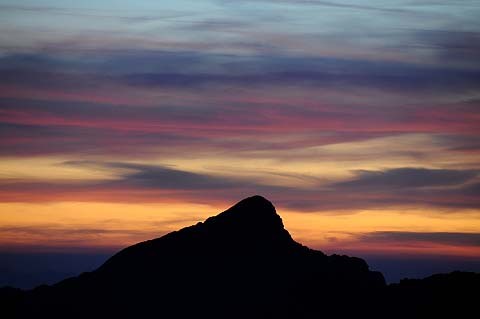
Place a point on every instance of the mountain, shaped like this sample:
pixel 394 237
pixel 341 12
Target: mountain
pixel 241 263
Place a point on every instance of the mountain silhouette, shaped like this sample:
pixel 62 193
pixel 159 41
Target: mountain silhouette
pixel 241 263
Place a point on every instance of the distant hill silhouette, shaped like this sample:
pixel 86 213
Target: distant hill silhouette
pixel 239 264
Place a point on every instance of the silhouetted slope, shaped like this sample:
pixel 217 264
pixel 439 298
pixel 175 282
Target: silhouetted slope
pixel 454 295
pixel 239 264
pixel 251 227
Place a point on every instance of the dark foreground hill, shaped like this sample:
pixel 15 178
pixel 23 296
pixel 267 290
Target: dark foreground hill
pixel 240 264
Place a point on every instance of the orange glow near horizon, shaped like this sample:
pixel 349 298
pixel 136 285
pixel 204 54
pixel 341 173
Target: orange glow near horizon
pixel 94 226
pixel 104 203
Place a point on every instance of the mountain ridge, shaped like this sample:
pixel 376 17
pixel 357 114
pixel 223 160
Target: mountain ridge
pixel 251 224
pixel 239 263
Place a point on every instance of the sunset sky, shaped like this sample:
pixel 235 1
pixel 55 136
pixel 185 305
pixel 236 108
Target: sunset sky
pixel 123 120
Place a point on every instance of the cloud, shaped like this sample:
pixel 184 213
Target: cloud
pixel 449 191
pixel 348 74
pixel 451 45
pixel 161 177
pixel 60 230
pixel 447 238
pixel 220 101
pixel 53 237
pixel 467 143
pixel 332 4
pixel 406 178
pixel 44 140
pixel 189 70
pixel 93 13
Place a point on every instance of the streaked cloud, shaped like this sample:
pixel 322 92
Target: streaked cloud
pixel 459 239
pixel 409 178
pixel 155 69
pixel 403 187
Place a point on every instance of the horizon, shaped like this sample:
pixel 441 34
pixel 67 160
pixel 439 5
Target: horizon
pixel 122 121
pixel 54 266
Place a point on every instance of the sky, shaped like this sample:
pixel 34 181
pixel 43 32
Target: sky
pixel 121 121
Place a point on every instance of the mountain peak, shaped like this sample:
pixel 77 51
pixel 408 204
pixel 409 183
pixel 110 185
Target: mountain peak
pixel 256 200
pixel 250 227
pixel 251 222
pixel 255 211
